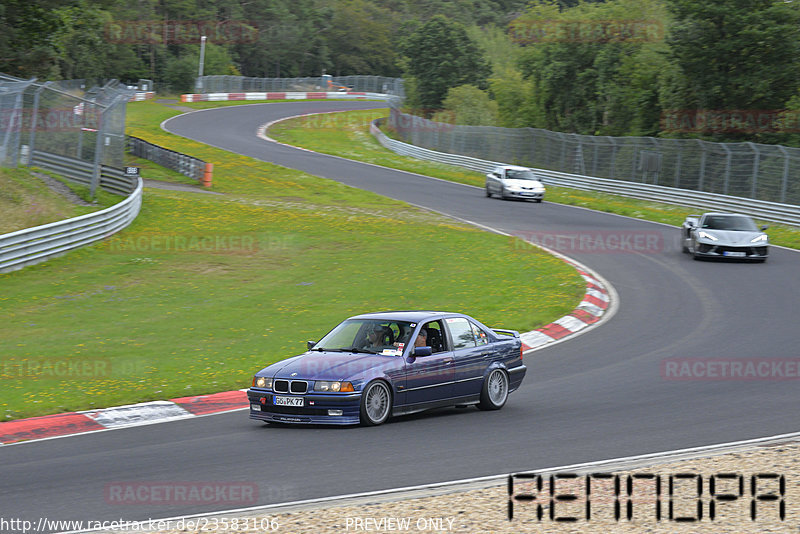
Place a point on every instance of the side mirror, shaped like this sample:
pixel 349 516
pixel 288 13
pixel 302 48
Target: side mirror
pixel 310 344
pixel 422 351
pixel 764 228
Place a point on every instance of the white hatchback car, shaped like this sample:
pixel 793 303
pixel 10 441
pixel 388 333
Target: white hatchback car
pixel 510 181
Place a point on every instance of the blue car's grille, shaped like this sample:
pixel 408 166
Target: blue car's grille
pixel 287 386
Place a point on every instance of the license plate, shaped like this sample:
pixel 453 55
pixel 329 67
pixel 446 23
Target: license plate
pixel 255 407
pixel 287 401
pixel 734 254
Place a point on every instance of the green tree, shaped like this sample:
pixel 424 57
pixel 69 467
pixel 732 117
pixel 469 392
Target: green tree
pixel 468 105
pixel 591 70
pixel 441 56
pixel 736 54
pixel 25 47
pixel 360 39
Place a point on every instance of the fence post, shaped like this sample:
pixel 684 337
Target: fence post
pixel 613 156
pixel 98 152
pixel 702 177
pixel 678 164
pixel 35 119
pixel 784 182
pixel 727 169
pixel 756 163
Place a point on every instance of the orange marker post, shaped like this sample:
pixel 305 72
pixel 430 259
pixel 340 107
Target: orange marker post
pixel 206 181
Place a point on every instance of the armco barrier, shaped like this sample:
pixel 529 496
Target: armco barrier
pixel 769 211
pixel 290 95
pixel 186 165
pixel 34 245
pixel 81 172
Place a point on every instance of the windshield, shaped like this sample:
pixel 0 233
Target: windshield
pixel 516 174
pixel 367 335
pixel 730 222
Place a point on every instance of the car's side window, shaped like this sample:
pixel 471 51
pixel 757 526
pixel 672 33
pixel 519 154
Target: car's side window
pixel 461 332
pixel 436 338
pixel 480 336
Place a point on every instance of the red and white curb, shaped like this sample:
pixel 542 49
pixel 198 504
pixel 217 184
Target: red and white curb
pixel 285 95
pixel 140 96
pixel 594 304
pixel 65 424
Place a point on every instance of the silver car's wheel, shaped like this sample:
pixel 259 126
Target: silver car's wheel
pixel 488 193
pixel 376 404
pixel 495 390
pixel 503 192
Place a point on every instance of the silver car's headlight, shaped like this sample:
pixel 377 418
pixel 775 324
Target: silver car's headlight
pixel 262 382
pixel 762 237
pixel 706 235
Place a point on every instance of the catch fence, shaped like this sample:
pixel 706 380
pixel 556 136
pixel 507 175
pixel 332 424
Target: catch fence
pixel 749 170
pixel 59 122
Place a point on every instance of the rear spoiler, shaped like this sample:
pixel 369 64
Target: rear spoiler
pixel 502 331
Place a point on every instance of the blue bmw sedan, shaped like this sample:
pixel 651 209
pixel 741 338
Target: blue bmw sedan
pixel 377 365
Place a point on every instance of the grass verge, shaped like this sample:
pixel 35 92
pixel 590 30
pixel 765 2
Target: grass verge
pixel 347 135
pixel 26 201
pixel 203 290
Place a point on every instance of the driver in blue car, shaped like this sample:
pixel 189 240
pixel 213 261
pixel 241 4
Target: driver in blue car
pixel 422 338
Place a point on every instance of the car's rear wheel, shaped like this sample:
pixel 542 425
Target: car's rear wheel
pixel 495 390
pixel 376 404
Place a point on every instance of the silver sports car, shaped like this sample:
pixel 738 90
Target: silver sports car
pixel 724 235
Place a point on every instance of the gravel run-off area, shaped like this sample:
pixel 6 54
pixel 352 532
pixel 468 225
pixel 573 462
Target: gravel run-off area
pixel 486 510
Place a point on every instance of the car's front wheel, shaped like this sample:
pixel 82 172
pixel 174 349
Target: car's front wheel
pixel 488 193
pixel 376 404
pixel 495 390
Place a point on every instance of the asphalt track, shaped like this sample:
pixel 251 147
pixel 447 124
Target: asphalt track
pixel 601 395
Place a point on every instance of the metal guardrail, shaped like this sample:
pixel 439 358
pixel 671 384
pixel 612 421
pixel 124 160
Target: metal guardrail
pixel 37 244
pixel 81 172
pixel 769 211
pixel 186 165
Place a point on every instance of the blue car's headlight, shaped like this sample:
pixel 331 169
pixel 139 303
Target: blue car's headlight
pixel 262 382
pixel 706 235
pixel 762 237
pixel 332 387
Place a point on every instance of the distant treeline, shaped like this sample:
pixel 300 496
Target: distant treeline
pixel 724 70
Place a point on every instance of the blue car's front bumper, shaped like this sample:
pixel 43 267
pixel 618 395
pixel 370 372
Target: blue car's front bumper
pixel 316 408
